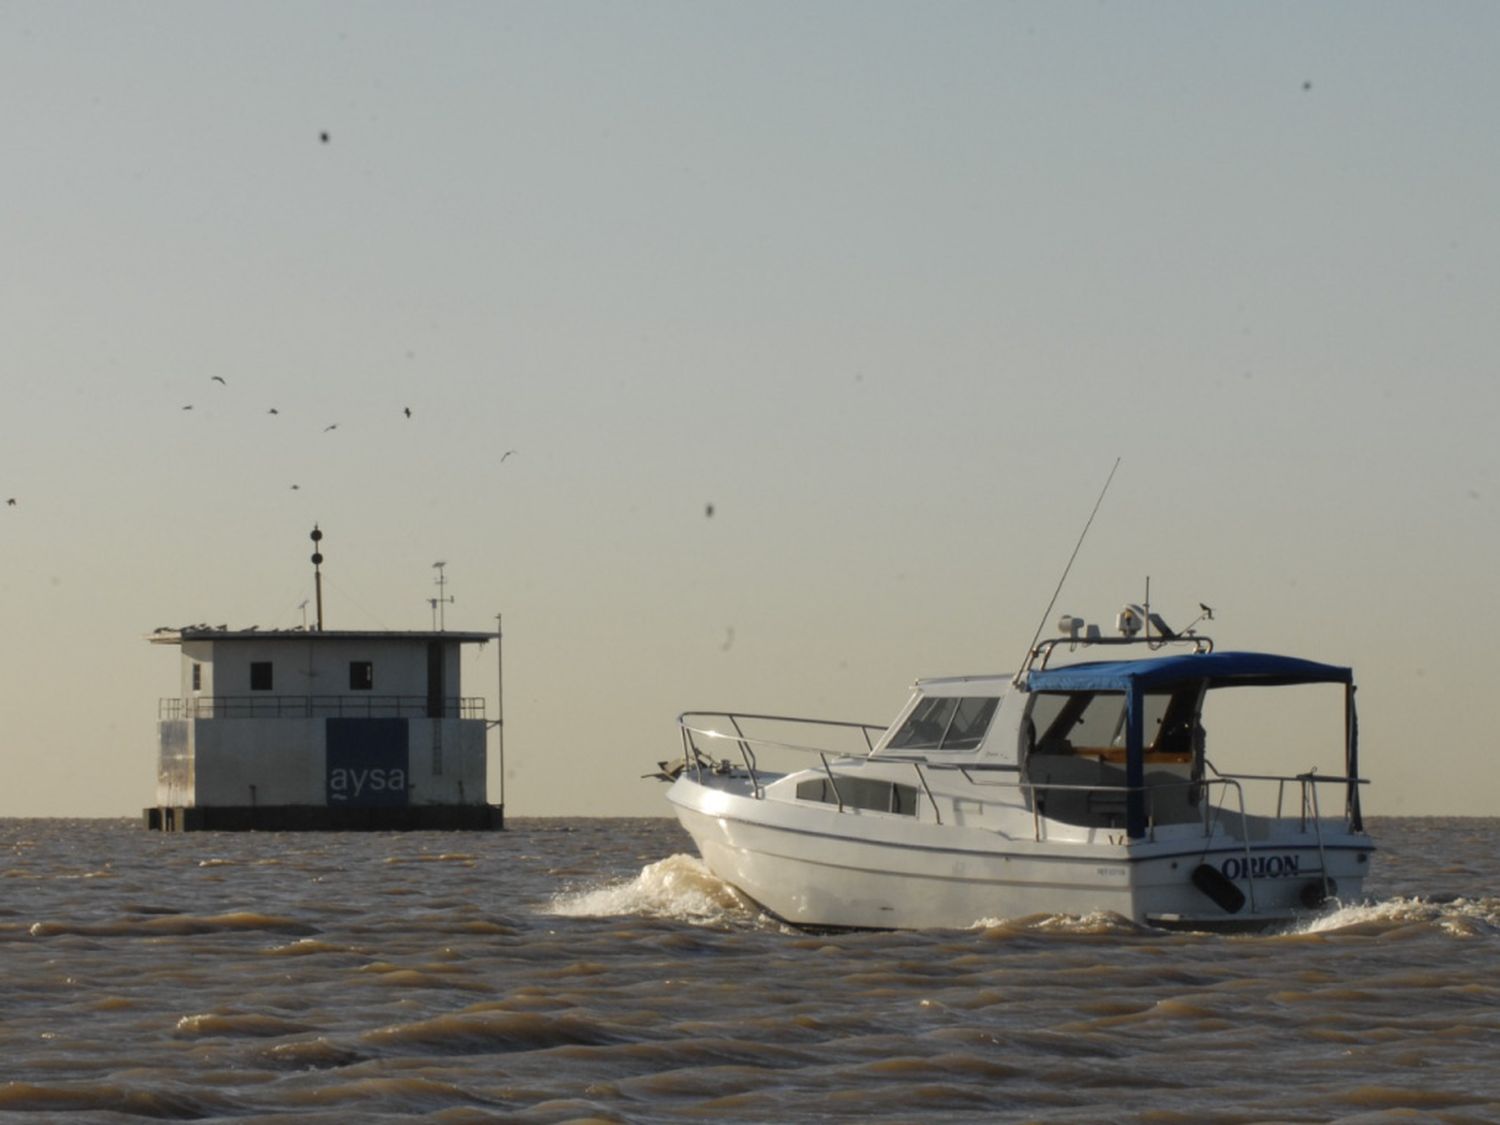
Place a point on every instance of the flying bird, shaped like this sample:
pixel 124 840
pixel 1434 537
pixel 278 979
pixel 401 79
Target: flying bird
pixel 407 411
pixel 1207 611
pixel 11 503
pixel 189 406
pixel 273 410
pixel 332 427
pixel 506 454
pixel 708 511
pixel 218 379
pixel 323 137
pixel 295 487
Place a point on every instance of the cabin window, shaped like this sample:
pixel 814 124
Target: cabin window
pixel 260 675
pixel 946 723
pixel 197 677
pixel 861 793
pixel 361 675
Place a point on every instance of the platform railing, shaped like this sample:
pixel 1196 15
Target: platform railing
pixel 352 706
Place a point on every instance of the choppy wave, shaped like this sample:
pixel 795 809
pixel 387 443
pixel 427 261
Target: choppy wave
pixel 173 924
pixel 307 978
pixel 112 1098
pixel 492 1029
pixel 250 1024
pixel 679 887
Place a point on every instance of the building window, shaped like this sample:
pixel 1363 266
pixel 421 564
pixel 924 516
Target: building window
pixel 361 675
pixel 260 675
pixel 197 677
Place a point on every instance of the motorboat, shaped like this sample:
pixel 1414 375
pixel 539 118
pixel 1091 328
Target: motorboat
pixel 1074 786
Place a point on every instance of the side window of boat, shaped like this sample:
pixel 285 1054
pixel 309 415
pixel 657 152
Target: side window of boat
pixel 1090 720
pixel 1053 718
pixel 1073 720
pixel 946 723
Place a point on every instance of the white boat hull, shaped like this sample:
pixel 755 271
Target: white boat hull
pixel 818 867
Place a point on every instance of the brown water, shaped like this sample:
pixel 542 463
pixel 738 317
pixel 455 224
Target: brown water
pixel 575 970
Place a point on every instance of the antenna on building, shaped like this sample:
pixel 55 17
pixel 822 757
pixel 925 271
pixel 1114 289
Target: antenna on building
pixel 317 561
pixel 439 603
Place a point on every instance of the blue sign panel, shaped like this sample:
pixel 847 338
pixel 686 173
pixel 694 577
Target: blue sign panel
pixel 368 763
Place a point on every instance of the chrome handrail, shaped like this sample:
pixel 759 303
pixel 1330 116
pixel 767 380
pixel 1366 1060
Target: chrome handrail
pixel 745 742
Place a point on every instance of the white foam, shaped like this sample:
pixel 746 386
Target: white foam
pixel 1461 917
pixel 679 887
pixel 1096 922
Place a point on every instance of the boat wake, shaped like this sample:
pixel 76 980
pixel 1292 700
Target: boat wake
pixel 1459 917
pixel 1098 923
pixel 679 888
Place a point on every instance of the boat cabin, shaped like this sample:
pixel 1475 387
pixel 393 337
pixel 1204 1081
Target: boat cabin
pixel 1104 744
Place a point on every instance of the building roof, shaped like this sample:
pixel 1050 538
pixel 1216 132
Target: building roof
pixel 167 636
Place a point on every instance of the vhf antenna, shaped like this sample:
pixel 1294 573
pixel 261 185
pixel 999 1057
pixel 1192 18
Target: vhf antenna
pixel 1046 613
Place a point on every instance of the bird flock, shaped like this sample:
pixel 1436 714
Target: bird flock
pixel 406 412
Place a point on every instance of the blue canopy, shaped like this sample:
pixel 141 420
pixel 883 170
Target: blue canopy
pixel 1220 669
pixel 1135 678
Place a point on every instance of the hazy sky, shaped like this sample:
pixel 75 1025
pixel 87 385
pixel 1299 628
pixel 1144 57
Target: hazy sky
pixel 889 285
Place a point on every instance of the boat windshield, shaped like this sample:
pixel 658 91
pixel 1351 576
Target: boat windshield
pixel 945 723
